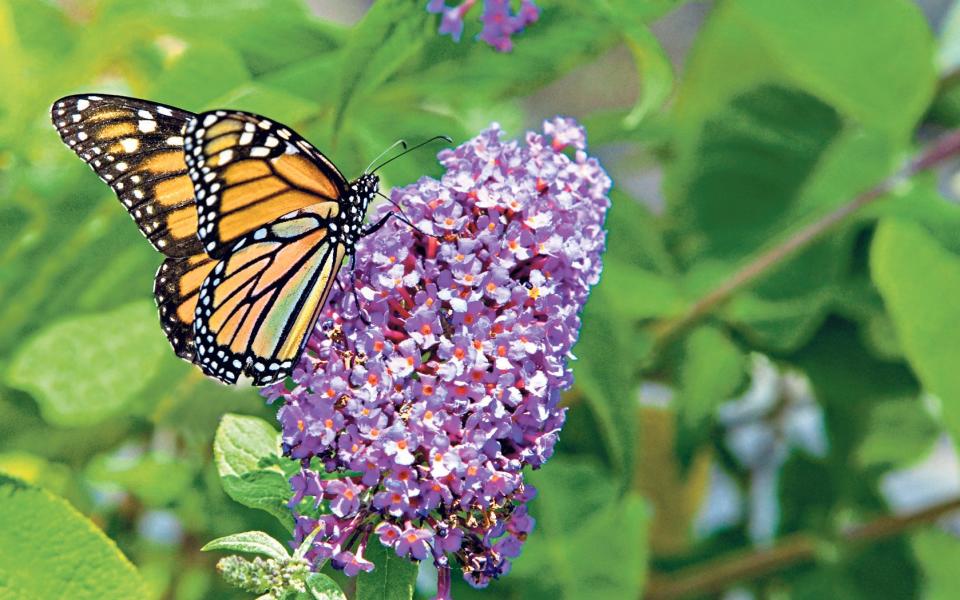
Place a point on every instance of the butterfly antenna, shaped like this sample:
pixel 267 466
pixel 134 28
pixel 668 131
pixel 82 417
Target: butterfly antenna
pixel 406 150
pixel 403 216
pixel 399 142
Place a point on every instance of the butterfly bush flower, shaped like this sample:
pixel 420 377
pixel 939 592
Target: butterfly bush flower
pixel 414 420
pixel 500 21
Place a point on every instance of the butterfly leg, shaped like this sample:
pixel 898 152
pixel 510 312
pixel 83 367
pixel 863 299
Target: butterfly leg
pixel 356 299
pixel 397 214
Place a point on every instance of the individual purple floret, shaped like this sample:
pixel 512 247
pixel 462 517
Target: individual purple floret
pixel 500 21
pixel 413 430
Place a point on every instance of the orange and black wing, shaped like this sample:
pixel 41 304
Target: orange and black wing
pixel 176 289
pixel 249 171
pixel 136 147
pixel 257 306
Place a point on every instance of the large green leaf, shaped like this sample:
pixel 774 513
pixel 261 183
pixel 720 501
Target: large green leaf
pixel 247 450
pixel 917 277
pixel 752 160
pixel 794 130
pixel 577 506
pixel 86 369
pixel 49 550
pixel 392 578
pixel 608 354
pixel 818 46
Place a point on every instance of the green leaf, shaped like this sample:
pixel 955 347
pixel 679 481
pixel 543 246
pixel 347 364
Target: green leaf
pixel 899 432
pixel 751 162
pixel 35 470
pixel 656 73
pixel 324 588
pixel 49 550
pixel 86 369
pixel 608 353
pixel 392 578
pixel 917 278
pixel 938 554
pixel 566 35
pixel 246 451
pixel 712 370
pixel 307 543
pixel 643 294
pixel 155 478
pixel 591 541
pixel 780 324
pixel 253 542
pixel 798 127
pixel 387 37
pixel 818 46
pixel 217 65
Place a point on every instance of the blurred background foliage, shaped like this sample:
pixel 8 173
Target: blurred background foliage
pixel 795 441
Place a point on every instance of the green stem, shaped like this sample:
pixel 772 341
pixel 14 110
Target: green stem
pixel 945 147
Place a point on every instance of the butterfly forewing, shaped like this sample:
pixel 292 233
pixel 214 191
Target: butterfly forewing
pixel 258 306
pixel 136 147
pixel 249 171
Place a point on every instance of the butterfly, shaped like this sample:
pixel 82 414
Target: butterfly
pixel 254 222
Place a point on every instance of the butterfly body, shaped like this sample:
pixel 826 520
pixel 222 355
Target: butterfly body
pixel 254 221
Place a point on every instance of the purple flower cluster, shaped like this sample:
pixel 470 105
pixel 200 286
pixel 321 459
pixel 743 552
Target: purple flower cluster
pixel 500 21
pixel 415 428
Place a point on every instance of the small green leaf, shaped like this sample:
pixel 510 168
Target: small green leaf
pixel 245 449
pixel 324 588
pixel 253 542
pixel 656 73
pixel 898 433
pixel 86 369
pixel 307 543
pixel 393 578
pixel 49 550
pixel 917 278
pixel 712 370
pixel 937 553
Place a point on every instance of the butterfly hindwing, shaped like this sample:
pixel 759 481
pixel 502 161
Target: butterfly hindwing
pixel 249 171
pixel 176 289
pixel 136 147
pixel 258 305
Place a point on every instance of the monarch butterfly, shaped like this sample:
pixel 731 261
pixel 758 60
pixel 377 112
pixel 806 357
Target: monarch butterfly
pixel 254 221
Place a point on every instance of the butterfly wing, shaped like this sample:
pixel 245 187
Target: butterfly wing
pixel 136 147
pixel 258 306
pixel 248 171
pixel 176 289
